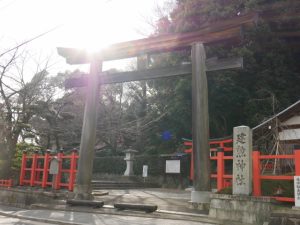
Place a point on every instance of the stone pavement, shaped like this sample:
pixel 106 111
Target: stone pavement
pixel 16 221
pixel 165 199
pixel 172 204
pixel 49 216
pixel 173 208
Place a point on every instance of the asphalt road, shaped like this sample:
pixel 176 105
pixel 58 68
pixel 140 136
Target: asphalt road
pixel 14 221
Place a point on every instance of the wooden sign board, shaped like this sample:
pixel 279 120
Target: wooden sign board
pixel 297 190
pixel 172 166
pixel 54 164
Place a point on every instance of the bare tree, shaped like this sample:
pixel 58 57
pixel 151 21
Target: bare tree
pixel 17 99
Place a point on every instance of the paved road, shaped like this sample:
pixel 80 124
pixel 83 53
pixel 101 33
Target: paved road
pixel 67 217
pixel 14 221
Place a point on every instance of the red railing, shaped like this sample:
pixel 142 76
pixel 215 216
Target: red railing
pixel 35 170
pixel 258 177
pixel 6 183
pixel 225 144
pixel 225 180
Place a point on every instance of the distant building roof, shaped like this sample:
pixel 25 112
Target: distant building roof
pixel 285 114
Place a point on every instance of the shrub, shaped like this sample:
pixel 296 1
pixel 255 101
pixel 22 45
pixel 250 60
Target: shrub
pixel 156 165
pixel 22 146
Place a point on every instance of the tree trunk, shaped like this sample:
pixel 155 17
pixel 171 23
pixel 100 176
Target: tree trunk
pixel 5 168
pixel 8 150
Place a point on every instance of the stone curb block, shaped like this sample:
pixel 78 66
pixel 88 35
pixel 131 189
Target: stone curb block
pixel 141 207
pixel 94 204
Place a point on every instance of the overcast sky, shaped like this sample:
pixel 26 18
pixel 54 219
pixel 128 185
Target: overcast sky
pixel 80 23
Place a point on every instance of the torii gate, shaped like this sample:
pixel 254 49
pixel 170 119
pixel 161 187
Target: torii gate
pixel 226 30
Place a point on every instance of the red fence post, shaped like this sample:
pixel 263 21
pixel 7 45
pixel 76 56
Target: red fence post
pixel 72 170
pixel 33 167
pixel 58 176
pixel 10 183
pixel 222 145
pixel 46 166
pixel 220 168
pixel 192 166
pixel 23 167
pixel 297 160
pixel 38 172
pixel 256 173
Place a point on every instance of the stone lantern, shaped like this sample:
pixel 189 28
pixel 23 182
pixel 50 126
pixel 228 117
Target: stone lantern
pixel 129 157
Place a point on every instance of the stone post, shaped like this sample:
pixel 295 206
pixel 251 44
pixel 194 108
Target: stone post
pixel 129 157
pixel 54 165
pixel 200 121
pixel 242 161
pixel 83 187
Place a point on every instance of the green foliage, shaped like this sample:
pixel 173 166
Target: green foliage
pixel 280 188
pixel 156 165
pixel 247 96
pixel 226 191
pixel 20 148
pixel 283 188
pixel 110 165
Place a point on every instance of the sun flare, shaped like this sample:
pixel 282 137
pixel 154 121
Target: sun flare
pixel 97 24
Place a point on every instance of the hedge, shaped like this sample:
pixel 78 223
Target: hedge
pixel 156 165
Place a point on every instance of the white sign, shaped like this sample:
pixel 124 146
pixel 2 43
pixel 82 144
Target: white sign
pixel 145 171
pixel 290 134
pixel 54 164
pixel 172 166
pixel 297 190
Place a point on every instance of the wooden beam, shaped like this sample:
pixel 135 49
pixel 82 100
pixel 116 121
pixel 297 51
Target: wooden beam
pixel 146 46
pixel 181 70
pixel 210 33
pixel 289 127
pixel 107 78
pixel 214 64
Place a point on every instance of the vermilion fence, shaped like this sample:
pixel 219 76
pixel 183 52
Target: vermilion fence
pixel 225 144
pixel 35 170
pixel 258 177
pixel 6 183
pixel 224 180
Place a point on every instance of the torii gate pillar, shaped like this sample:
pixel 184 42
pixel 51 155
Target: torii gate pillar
pixel 200 126
pixel 83 189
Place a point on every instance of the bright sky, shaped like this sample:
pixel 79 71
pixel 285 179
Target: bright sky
pixel 81 23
